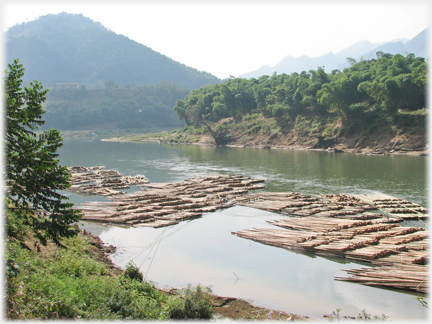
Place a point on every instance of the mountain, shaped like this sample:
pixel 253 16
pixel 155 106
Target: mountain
pixel 70 48
pixel 331 61
pixel 417 45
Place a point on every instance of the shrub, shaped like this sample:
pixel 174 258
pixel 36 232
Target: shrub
pixel 193 303
pixel 132 272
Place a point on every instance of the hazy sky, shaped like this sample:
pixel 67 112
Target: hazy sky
pixel 235 37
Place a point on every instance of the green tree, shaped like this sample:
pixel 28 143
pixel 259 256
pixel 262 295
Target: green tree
pixel 33 176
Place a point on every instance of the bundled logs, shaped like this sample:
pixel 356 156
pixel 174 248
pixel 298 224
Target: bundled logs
pixel 96 181
pixel 368 237
pixel 360 228
pixel 165 204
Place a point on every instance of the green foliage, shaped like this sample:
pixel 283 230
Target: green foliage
pixel 33 176
pixel 193 304
pixel 133 272
pixel 115 106
pixel 72 284
pixel 369 90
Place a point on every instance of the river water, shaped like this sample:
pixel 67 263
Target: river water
pixel 203 251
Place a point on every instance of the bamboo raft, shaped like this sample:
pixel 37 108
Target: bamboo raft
pixel 96 181
pixel 361 228
pixel 379 241
pixel 165 204
pixel 395 207
pixel 412 277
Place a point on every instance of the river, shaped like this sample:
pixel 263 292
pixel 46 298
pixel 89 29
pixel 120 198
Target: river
pixel 203 251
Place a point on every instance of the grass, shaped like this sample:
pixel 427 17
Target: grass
pixel 49 282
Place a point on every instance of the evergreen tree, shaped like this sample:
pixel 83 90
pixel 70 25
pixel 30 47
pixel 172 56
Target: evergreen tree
pixel 33 176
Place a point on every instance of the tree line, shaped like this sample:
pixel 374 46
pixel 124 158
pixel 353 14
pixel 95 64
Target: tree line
pixel 385 86
pixel 122 107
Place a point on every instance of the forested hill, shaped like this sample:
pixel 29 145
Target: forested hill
pixel 142 107
pixel 382 99
pixel 70 48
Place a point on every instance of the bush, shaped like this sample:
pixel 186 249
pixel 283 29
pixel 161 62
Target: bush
pixel 193 303
pixel 133 272
pixel 278 110
pixel 255 130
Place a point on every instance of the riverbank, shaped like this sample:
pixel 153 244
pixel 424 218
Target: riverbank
pixel 333 134
pixel 207 140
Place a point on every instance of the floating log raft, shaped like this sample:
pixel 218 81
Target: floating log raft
pixel 377 240
pixel 408 277
pixel 395 207
pixel 96 181
pixel 295 204
pixel 360 228
pixel 164 204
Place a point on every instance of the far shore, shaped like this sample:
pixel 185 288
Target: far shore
pixel 338 149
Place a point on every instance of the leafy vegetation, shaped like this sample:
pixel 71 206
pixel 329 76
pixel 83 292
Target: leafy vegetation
pixel 114 107
pixel 385 92
pixel 33 176
pixel 75 283
pixel 72 48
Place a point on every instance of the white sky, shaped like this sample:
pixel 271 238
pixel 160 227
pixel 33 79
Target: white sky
pixel 234 37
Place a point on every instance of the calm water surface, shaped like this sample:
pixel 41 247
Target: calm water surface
pixel 203 251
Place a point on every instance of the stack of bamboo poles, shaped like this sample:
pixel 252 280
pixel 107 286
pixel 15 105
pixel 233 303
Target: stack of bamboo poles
pixel 164 204
pixel 396 207
pixel 379 241
pixel 360 228
pixel 96 181
pixel 295 204
pixel 401 276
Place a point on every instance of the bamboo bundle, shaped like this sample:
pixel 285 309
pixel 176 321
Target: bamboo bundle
pixel 369 253
pixel 217 189
pixel 412 277
pixel 198 195
pixel 127 218
pixel 270 205
pixel 403 256
pixel 191 206
pixel 107 173
pixel 399 236
pixel 206 209
pixel 420 245
pixel 174 202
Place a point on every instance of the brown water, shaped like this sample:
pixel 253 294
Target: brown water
pixel 203 251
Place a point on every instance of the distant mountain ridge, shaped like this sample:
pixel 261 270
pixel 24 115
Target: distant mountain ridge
pixel 70 48
pixel 331 61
